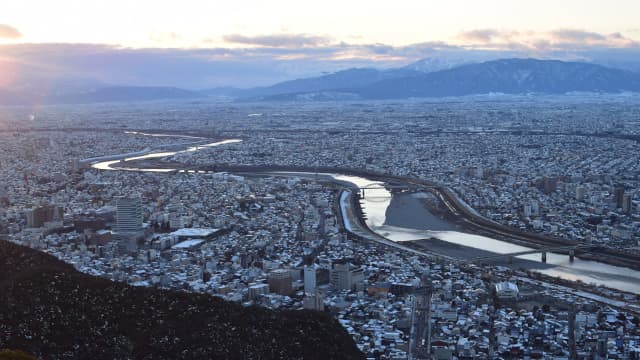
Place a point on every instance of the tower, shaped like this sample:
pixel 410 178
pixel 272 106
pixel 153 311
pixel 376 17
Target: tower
pixel 128 215
pixel 309 279
pixel 128 223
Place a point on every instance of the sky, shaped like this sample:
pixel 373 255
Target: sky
pixel 257 42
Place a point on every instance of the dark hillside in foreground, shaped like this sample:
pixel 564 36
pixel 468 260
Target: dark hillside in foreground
pixel 50 310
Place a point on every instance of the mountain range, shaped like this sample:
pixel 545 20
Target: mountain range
pixel 509 76
pixel 99 94
pixel 346 79
pixel 417 80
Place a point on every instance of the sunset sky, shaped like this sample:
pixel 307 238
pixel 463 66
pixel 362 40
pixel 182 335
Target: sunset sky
pixel 328 35
pixel 188 23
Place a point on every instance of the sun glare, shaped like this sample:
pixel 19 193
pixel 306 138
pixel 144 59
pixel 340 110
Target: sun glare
pixel 7 73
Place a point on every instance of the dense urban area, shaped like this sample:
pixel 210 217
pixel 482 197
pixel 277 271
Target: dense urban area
pixel 562 167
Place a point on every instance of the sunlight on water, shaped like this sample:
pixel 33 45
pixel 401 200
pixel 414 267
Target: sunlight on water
pixel 376 206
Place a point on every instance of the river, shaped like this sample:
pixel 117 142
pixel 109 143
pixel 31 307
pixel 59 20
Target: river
pixel 402 217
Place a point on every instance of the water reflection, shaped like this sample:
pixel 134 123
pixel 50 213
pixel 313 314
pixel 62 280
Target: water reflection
pixel 112 164
pixel 403 218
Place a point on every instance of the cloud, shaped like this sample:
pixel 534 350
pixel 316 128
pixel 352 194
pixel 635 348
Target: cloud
pixel 278 40
pixel 580 38
pixel 165 37
pixel 188 68
pixel 479 35
pixel 9 32
pixel 265 60
pixel 540 42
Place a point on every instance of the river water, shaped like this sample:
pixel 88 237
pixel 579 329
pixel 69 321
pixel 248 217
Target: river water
pixel 402 217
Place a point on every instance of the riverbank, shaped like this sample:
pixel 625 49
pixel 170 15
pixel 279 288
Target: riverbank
pixel 372 221
pixel 518 237
pixel 465 253
pixel 404 212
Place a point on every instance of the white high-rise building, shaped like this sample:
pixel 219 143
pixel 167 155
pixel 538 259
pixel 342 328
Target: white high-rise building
pixel 309 279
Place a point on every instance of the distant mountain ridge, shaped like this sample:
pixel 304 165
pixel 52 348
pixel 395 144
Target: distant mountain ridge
pixel 428 65
pixel 508 76
pixel 126 93
pixel 345 79
pixel 97 95
pixel 457 77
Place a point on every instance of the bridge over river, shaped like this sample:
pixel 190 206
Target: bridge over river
pixel 571 250
pixel 393 187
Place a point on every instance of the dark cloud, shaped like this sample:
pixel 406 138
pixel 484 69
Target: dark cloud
pixel 9 32
pixel 278 40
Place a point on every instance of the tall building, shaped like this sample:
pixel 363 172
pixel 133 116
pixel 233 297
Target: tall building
pixel 128 215
pixel 39 216
pixel 280 281
pixel 618 194
pixel 309 279
pixel 343 276
pixel 627 206
pixel 580 191
pixel 549 184
pixel 128 228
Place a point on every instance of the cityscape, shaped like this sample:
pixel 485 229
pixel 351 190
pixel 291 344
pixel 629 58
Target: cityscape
pixel 291 221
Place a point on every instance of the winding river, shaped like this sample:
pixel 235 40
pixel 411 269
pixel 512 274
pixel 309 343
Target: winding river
pixel 402 217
